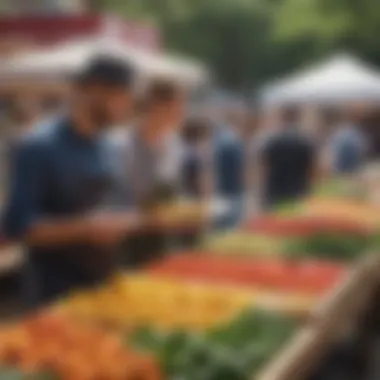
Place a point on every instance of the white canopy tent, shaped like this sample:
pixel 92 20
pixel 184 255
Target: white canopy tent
pixel 340 79
pixel 69 57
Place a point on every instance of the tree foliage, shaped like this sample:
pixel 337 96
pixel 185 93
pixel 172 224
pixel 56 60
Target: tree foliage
pixel 247 42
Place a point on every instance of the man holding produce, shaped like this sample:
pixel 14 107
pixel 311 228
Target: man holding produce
pixel 149 152
pixel 149 165
pixel 60 179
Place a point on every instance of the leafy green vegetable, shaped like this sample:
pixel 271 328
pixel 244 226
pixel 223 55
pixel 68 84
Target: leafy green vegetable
pixel 11 374
pixel 231 351
pixel 44 376
pixel 288 208
pixel 340 187
pixel 375 242
pixel 146 338
pixel 328 246
pixel 15 374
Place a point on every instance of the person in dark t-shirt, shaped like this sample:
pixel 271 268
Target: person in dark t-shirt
pixel 287 160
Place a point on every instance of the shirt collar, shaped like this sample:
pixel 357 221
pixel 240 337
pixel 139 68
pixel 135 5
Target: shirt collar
pixel 69 131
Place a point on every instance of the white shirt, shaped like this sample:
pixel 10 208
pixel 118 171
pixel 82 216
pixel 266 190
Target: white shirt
pixel 138 166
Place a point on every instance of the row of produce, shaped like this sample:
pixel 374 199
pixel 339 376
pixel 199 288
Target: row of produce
pixel 51 346
pixel 221 311
pixel 231 351
pixel 303 277
pixel 321 228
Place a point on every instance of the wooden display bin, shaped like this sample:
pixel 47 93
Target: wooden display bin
pixel 349 305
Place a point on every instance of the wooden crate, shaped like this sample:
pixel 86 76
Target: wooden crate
pixel 337 312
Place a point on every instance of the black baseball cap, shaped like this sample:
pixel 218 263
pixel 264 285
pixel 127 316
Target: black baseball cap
pixel 106 70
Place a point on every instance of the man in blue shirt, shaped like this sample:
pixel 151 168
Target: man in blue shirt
pixel 230 164
pixel 348 148
pixel 59 182
pixel 229 171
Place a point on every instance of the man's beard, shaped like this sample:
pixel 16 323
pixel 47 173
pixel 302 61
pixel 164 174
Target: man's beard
pixel 100 118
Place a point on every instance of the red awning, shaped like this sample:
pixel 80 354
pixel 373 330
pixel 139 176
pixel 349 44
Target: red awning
pixel 58 28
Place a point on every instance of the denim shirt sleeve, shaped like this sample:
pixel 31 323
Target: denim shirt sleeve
pixel 25 189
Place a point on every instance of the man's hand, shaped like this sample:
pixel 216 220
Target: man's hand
pixel 110 228
pixel 181 220
pixel 101 228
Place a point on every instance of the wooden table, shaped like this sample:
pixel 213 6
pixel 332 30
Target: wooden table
pixel 346 306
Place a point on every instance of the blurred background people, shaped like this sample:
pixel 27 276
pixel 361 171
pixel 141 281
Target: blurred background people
pixel 251 135
pixel 229 157
pixel 23 116
pixel 229 166
pixel 349 144
pixel 52 107
pixel 197 171
pixel 267 123
pixel 287 162
pixel 327 121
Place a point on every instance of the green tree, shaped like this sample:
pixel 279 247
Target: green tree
pixel 332 25
pixel 247 42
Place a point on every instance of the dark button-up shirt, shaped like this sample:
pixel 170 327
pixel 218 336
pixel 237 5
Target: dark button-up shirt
pixel 58 173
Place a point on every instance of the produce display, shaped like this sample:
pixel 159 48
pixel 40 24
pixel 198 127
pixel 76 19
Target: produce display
pixel 307 277
pixel 135 300
pixel 306 225
pixel 343 187
pixel 51 346
pixel 233 351
pixel 243 243
pixel 299 236
pixel 369 179
pixel 353 211
pixel 334 247
pixel 181 214
pixel 220 312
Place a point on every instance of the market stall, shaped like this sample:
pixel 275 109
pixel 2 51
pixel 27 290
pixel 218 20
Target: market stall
pixel 341 311
pixel 339 80
pixel 241 312
pixel 54 63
